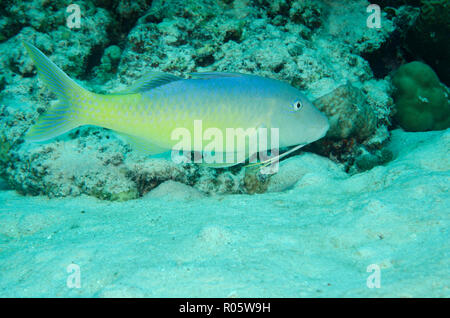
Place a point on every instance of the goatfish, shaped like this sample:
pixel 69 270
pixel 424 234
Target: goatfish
pixel 150 111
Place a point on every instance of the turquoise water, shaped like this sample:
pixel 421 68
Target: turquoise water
pixel 359 212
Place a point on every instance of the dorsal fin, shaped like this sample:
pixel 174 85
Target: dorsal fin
pixel 210 75
pixel 151 80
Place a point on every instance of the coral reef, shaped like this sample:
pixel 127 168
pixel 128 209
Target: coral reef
pixel 317 46
pixel 422 102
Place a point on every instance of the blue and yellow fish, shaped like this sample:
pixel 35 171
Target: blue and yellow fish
pixel 159 103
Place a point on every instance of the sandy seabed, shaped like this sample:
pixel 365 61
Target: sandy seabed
pixel 315 239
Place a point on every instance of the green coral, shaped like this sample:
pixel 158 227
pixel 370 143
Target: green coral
pixel 422 101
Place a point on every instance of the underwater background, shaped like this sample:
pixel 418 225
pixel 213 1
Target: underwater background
pixel 362 212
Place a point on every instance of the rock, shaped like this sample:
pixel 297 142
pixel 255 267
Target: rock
pixel 348 113
pixel 294 168
pixel 172 190
pixel 358 127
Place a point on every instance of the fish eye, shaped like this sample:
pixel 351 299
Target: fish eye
pixel 297 105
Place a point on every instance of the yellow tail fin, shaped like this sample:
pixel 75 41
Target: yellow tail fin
pixel 63 116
